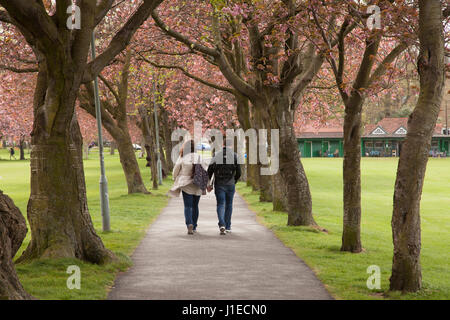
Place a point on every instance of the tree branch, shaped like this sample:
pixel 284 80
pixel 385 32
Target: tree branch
pixel 228 71
pixel 32 16
pixel 102 10
pixel 341 48
pixel 446 12
pixel 87 103
pixel 190 75
pixel 182 38
pixel 167 53
pixel 307 76
pixel 367 62
pixel 382 67
pixel 217 54
pixel 110 87
pixel 121 39
pixel 5 17
pixel 18 70
pixel 123 89
pixel 337 70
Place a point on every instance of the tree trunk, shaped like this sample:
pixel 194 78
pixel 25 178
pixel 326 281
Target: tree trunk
pixel 351 239
pixel 13 230
pixel 154 156
pixel 243 112
pixel 279 199
pixel 265 184
pixel 244 173
pixel 167 148
pixel 119 131
pixel 112 148
pixel 264 181
pixel 153 164
pixel 279 193
pixel 22 148
pixel 148 133
pixel 130 165
pixel 61 226
pixel 253 176
pixel 299 203
pixel 406 270
pixel 164 164
pixel 167 138
pixel 85 151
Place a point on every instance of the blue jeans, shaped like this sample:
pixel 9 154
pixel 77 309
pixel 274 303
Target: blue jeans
pixel 191 209
pixel 224 197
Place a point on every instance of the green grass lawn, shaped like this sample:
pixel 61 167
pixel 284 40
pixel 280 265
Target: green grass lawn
pixel 344 274
pixel 131 215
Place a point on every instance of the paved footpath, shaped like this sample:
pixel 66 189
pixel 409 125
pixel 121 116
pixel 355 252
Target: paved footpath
pixel 248 264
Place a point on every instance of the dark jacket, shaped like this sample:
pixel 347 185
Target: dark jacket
pixel 219 162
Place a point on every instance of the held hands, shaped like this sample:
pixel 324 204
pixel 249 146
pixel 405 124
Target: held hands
pixel 209 188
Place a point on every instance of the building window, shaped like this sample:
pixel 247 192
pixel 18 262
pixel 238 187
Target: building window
pixel 401 130
pixel 379 148
pixel 378 131
pixel 434 151
pixel 368 146
pixel 435 145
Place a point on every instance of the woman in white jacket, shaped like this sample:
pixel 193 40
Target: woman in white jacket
pixel 183 174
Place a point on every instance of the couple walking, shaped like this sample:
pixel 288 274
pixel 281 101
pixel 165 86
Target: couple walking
pixel 223 173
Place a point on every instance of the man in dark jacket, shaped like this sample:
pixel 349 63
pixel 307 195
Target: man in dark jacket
pixel 226 170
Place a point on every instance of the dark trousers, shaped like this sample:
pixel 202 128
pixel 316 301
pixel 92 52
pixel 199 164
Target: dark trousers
pixel 191 208
pixel 224 197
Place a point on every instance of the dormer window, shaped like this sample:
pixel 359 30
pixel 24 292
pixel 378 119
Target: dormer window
pixel 401 130
pixel 378 131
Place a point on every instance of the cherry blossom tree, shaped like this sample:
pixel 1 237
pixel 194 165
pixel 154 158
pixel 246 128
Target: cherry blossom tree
pixel 57 176
pixel 278 64
pixel 358 73
pixel 16 115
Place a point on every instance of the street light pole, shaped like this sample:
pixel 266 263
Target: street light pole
pixel 104 198
pixel 155 111
pixel 446 118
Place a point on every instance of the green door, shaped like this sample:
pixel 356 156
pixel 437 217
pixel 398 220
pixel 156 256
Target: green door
pixel 307 149
pixel 325 147
pixel 317 149
pixel 445 147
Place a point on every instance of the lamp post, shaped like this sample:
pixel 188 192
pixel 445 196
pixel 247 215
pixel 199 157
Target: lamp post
pixel 446 118
pixel 104 198
pixel 155 111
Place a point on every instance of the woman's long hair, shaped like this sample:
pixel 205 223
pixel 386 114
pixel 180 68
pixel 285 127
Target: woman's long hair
pixel 187 148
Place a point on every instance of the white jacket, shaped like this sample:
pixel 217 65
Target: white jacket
pixel 183 175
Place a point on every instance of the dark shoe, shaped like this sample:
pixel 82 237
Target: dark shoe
pixel 222 231
pixel 191 229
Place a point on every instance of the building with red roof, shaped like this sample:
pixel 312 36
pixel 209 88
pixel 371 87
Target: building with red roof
pixel 383 139
pixel 321 140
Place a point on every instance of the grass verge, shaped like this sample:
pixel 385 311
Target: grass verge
pixel 345 274
pixel 131 216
